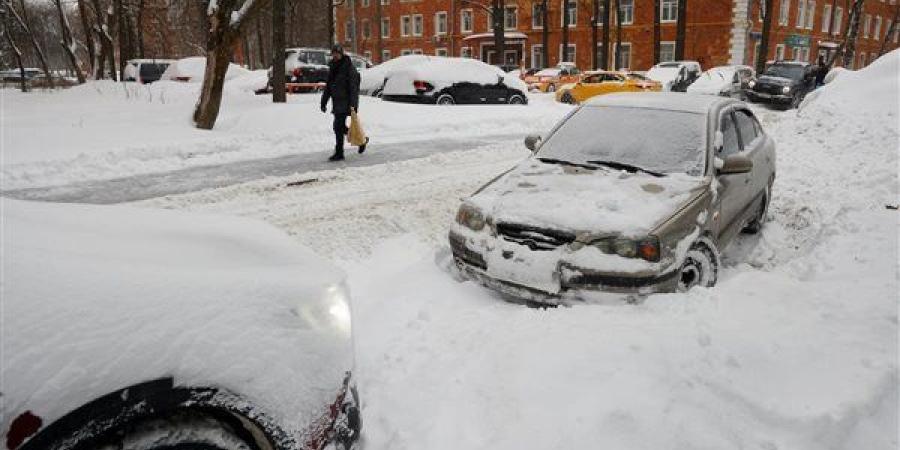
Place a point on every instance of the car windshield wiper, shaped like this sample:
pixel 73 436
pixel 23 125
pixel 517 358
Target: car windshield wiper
pixel 626 167
pixel 566 163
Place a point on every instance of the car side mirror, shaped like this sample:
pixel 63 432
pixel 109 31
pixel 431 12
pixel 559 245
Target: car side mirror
pixel 733 164
pixel 533 142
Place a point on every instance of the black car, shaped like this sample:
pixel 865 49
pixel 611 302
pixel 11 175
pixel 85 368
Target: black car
pixel 784 83
pixel 462 93
pixel 306 69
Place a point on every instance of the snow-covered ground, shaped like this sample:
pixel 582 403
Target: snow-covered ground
pixel 795 348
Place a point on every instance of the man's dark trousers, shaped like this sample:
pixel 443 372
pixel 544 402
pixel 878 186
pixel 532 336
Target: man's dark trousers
pixel 340 132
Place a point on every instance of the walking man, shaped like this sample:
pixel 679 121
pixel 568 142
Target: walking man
pixel 342 89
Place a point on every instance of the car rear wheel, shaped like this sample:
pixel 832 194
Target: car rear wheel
pixel 567 98
pixel 516 99
pixel 756 224
pixel 181 431
pixel 446 99
pixel 700 268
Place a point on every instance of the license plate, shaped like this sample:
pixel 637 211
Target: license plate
pixel 536 270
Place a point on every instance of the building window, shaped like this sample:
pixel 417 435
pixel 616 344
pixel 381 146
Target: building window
pixel 826 18
pixel 366 31
pixel 417 51
pixel 571 11
pixel 386 2
pixel 626 14
pixel 537 16
pixel 465 52
pixel 867 25
pixel 862 60
pixel 511 18
pixel 838 18
pixel 348 31
pixel 537 56
pixel 466 24
pixel 601 13
pixel 418 25
pixel 666 51
pixel 385 27
pixel 405 26
pixel 810 14
pixel 779 52
pixel 385 55
pixel 440 51
pixel 624 55
pixel 784 12
pixel 368 55
pixel 896 34
pixel 877 33
pixel 801 13
pixel 440 23
pixel 569 56
pixel 365 3
pixel 668 10
pixel 405 52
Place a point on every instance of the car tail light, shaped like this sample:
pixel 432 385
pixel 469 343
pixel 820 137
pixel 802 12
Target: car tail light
pixel 422 86
pixel 298 71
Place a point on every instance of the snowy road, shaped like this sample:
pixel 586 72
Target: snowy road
pixel 152 185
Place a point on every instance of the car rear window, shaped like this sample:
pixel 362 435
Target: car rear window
pixel 152 71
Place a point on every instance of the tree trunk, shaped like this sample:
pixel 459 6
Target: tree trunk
pixel 67 44
pixel 680 30
pixel 763 53
pixel 594 40
pixel 564 49
pixel 260 43
pixel 849 44
pixel 331 37
pixel 107 52
pixel 34 43
pixel 88 34
pixel 545 35
pixel 498 13
pixel 217 61
pixel 890 31
pixel 604 48
pixel 618 55
pixel 656 32
pixel 278 78
pixel 17 54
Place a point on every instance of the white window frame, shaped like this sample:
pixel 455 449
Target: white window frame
pixel 672 7
pixel 440 18
pixel 366 31
pixel 666 43
pixel 826 18
pixel 867 25
pixel 417 51
pixel 810 14
pixel 405 26
pixel 385 55
pixel 367 54
pixel 627 64
pixel 541 48
pixel 365 3
pixel 876 34
pixel 784 12
pixel 573 53
pixel 779 52
pixel 628 7
pixel 405 52
pixel 418 19
pixel 466 52
pixel 801 14
pixel 573 21
pixel 385 27
pixel 463 13
pixel 536 15
pixel 839 22
pixel 348 31
pixel 514 24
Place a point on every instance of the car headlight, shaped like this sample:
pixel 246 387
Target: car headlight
pixel 786 89
pixel 644 248
pixel 751 83
pixel 470 217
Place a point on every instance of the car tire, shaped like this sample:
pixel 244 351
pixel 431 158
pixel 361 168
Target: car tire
pixel 756 224
pixel 516 99
pixel 567 98
pixel 445 100
pixel 182 430
pixel 700 267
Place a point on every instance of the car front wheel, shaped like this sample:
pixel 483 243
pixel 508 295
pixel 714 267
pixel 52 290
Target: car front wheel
pixel 567 98
pixel 446 99
pixel 700 267
pixel 182 430
pixel 516 99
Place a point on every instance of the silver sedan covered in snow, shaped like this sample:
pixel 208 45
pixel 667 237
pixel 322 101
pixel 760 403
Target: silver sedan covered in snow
pixel 144 329
pixel 631 193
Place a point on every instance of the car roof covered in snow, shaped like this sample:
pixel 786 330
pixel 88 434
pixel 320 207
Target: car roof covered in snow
pixel 100 298
pixel 673 101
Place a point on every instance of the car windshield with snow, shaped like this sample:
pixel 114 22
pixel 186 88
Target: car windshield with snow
pixel 631 193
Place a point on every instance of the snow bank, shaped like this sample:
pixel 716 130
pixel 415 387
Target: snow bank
pixel 867 91
pixel 443 72
pixel 193 69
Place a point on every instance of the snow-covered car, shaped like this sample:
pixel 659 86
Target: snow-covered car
pixel 449 81
pixel 632 193
pixel 727 81
pixel 305 69
pixel 784 83
pixel 193 69
pixel 146 71
pixel 675 76
pixel 548 80
pixel 151 329
pixel 372 80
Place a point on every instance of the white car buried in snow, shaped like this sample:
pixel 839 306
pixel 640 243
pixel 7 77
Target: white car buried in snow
pixel 141 329
pixel 450 81
pixel 632 193
pixel 727 81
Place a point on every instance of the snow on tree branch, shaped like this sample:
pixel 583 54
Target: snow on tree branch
pixel 238 15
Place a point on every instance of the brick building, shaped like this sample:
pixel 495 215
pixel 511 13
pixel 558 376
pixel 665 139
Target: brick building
pixel 717 31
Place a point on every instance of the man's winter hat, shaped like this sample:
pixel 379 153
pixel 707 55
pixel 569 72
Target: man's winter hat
pixel 336 48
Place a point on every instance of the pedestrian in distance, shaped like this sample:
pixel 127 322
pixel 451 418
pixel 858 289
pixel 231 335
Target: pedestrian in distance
pixel 821 71
pixel 342 88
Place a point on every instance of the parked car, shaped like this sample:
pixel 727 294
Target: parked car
pixel 15 75
pixel 727 81
pixel 548 80
pixel 305 69
pixel 359 62
pixel 784 83
pixel 372 80
pixel 193 69
pixel 146 71
pixel 631 193
pixel 604 82
pixel 675 76
pixel 151 329
pixel 450 81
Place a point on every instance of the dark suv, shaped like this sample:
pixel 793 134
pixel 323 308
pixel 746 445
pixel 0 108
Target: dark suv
pixel 784 83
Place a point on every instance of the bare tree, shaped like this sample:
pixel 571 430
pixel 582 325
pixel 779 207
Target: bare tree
pixel 278 69
pixel 107 52
pixel 594 39
pixel 7 32
pixel 227 20
pixel 564 49
pixel 656 31
pixel 849 44
pixel 680 30
pixel 890 31
pixel 88 34
pixel 618 55
pixel 604 48
pixel 37 48
pixel 67 43
pixel 768 16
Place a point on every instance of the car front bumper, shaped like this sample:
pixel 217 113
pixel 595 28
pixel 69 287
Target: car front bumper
pixel 770 98
pixel 572 279
pixel 414 98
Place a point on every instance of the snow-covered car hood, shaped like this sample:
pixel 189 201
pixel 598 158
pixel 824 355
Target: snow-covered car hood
pixel 193 69
pixel 373 78
pixel 779 81
pixel 96 299
pixel 711 83
pixel 575 199
pixel 665 75
pixel 443 72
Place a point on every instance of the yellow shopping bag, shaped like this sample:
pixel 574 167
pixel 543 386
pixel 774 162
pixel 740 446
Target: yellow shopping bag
pixel 356 136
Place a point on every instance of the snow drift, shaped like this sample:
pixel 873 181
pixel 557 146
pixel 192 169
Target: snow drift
pixel 193 69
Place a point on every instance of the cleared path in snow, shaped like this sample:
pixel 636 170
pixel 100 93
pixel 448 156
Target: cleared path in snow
pixel 147 186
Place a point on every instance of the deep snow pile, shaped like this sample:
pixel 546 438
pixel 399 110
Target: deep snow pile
pixel 193 70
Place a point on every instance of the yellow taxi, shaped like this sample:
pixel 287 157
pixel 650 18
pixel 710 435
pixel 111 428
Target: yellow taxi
pixel 550 79
pixel 604 82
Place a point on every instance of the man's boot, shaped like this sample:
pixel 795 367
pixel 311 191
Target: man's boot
pixel 338 155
